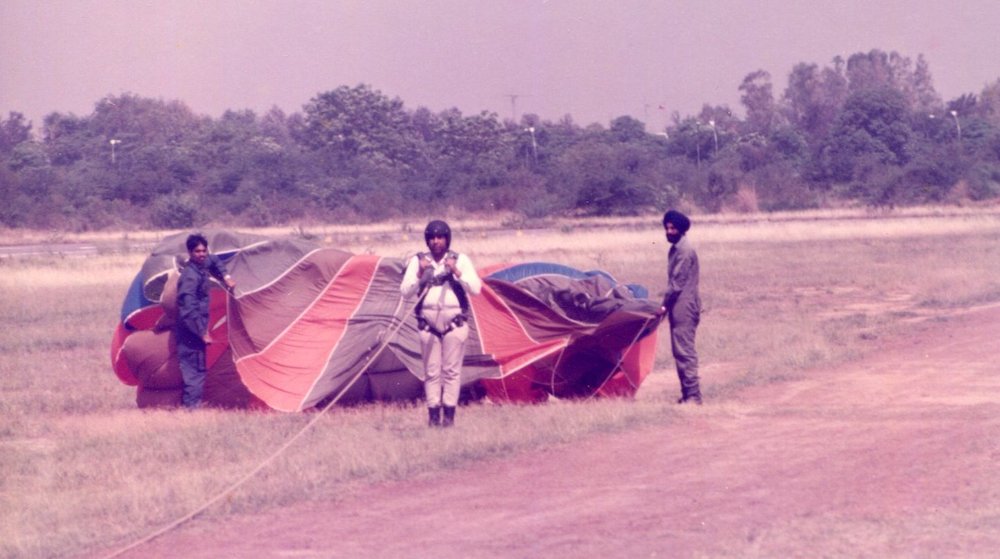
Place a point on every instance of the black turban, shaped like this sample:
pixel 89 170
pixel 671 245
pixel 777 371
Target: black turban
pixel 680 221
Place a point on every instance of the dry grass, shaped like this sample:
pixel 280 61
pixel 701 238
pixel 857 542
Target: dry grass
pixel 83 467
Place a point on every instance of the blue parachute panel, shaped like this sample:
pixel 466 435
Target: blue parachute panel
pixel 134 298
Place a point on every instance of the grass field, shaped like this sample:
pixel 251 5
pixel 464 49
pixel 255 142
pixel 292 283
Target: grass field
pixel 82 467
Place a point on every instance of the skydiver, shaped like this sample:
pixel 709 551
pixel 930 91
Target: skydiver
pixel 192 304
pixel 444 279
pixel 682 304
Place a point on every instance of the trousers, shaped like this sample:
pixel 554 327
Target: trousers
pixel 191 357
pixel 682 336
pixel 443 358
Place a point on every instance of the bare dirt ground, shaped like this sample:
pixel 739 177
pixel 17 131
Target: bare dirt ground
pixel 896 455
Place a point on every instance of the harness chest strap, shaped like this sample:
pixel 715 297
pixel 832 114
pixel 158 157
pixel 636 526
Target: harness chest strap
pixel 459 291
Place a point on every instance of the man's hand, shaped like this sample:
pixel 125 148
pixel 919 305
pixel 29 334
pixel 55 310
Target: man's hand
pixel 207 338
pixel 452 264
pixel 230 283
pixel 425 263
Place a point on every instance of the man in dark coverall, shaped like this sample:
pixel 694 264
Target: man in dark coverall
pixel 681 303
pixel 192 324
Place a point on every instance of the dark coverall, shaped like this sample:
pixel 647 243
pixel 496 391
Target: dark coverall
pixel 192 324
pixel 683 306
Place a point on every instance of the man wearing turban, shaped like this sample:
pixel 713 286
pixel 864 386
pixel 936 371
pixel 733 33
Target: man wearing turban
pixel 681 303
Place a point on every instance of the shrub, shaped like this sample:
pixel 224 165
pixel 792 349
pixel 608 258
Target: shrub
pixel 984 181
pixel 174 212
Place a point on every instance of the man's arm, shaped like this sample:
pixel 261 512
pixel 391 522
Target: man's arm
pixel 465 272
pixel 218 269
pixel 411 277
pixel 680 276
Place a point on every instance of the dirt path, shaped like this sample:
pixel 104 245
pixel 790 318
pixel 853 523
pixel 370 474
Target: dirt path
pixel 894 456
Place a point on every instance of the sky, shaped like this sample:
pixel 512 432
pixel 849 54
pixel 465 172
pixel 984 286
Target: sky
pixel 593 60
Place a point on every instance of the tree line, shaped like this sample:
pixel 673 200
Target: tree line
pixel 870 130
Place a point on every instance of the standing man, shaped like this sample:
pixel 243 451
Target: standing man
pixel 445 280
pixel 192 305
pixel 681 303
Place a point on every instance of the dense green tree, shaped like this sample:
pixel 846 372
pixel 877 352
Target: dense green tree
pixel 984 181
pixel 757 96
pixel 627 129
pixel 362 122
pixel 468 159
pixel 695 138
pixel 789 144
pixel 814 98
pixel 13 210
pixel 875 69
pixel 27 190
pixel 870 128
pixel 153 120
pixel 69 138
pixel 598 177
pixel 922 97
pixel 873 124
pixel 989 103
pixel 13 130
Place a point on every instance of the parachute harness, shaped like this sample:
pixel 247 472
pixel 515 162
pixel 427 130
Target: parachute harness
pixel 455 286
pixel 280 450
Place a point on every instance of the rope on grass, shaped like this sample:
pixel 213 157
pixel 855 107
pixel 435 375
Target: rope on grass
pixel 274 455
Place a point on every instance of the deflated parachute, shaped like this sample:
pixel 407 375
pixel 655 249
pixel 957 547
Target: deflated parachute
pixel 309 324
pixel 143 348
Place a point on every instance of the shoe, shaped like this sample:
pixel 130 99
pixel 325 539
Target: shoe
pixel 449 416
pixel 434 417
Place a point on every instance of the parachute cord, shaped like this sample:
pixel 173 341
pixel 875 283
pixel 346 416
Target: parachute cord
pixel 622 357
pixel 274 455
pixel 555 367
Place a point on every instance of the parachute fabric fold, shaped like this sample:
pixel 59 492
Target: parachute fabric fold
pixel 304 318
pixel 608 349
pixel 309 324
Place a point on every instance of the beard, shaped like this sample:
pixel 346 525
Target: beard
pixel 674 238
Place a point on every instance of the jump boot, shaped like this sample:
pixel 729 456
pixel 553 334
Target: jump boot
pixel 449 416
pixel 690 395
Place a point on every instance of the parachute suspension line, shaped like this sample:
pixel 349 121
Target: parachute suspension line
pixel 274 455
pixel 391 333
pixel 552 377
pixel 622 358
pixel 555 367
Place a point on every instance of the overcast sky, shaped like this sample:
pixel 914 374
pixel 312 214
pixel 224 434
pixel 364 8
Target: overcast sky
pixel 594 60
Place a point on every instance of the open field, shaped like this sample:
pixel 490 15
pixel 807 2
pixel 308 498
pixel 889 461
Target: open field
pixel 879 457
pixel 785 297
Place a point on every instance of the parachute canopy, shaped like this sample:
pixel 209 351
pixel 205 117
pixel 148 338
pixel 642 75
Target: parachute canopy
pixel 307 324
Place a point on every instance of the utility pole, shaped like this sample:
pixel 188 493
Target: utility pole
pixel 513 105
pixel 114 142
pixel 534 144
